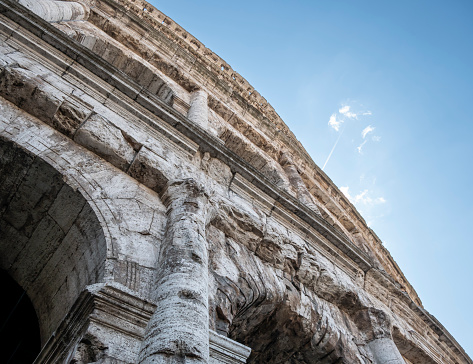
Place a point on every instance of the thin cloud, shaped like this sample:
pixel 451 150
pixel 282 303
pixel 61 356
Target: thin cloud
pixel 376 138
pixel 360 147
pixel 343 116
pixel 366 131
pixel 364 199
pixel 366 204
pixel 344 109
pixel 334 123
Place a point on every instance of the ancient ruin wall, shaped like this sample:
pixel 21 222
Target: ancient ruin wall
pixel 237 103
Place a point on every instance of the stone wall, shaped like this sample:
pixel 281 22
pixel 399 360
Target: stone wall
pixel 156 209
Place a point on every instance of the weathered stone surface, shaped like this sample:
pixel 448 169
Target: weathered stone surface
pixel 56 11
pixel 26 91
pixel 196 233
pixel 70 115
pixel 101 137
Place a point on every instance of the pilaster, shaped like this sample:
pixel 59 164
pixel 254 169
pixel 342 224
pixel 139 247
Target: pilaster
pixel 198 111
pixel 385 351
pixel 56 11
pixel 178 331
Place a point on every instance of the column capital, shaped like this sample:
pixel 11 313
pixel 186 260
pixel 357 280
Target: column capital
pixel 186 193
pixel 374 323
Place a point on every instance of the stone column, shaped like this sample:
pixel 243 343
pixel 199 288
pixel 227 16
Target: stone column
pixel 198 110
pixel 385 351
pixel 178 331
pixel 376 326
pixel 57 11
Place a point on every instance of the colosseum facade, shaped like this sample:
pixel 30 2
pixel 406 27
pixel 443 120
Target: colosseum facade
pixel 154 208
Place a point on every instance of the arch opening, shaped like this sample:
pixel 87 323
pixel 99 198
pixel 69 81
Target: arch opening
pixel 51 242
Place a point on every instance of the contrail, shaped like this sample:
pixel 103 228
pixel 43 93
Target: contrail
pixel 333 148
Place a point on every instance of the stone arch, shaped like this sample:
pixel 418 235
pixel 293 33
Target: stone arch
pixel 268 308
pixel 411 347
pixel 51 242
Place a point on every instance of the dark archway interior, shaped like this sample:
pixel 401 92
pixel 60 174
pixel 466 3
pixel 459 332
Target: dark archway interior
pixel 51 242
pixel 19 327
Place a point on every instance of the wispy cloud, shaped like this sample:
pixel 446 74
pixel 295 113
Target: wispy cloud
pixel 337 119
pixel 342 117
pixel 362 198
pixel 344 109
pixel 366 131
pixel 334 123
pixel 376 138
pixel 360 147
pixel 347 112
pixel 372 208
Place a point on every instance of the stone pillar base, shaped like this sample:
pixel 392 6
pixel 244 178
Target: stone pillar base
pixel 108 322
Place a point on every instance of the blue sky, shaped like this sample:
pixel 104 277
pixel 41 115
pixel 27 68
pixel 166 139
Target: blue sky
pixel 395 80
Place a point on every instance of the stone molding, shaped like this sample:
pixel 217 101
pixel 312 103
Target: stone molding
pixel 225 350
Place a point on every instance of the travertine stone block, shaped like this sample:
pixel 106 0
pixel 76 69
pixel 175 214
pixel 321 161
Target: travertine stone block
pixel 151 169
pixel 103 138
pixel 27 91
pixel 70 115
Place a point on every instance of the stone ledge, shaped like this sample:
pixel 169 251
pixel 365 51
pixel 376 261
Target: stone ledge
pixel 227 350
